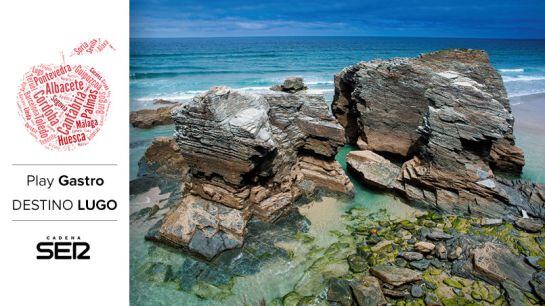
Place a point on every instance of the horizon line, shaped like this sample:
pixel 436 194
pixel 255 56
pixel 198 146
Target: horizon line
pixel 354 36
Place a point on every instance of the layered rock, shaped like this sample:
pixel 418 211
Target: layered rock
pixel 249 155
pixel 447 115
pixel 148 118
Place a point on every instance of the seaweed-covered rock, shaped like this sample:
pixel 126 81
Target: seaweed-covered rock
pixel 367 291
pixel 395 276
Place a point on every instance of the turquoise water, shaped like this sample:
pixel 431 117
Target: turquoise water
pixel 177 69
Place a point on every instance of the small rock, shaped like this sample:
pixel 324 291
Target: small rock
pixel 536 262
pixel 400 262
pixel 514 295
pixel 291 85
pixel 491 221
pixel 381 245
pixel 394 275
pixel 405 234
pixel 437 234
pixel 424 247
pixel 339 292
pixel 421 265
pixel 291 299
pixel 454 253
pixel 411 256
pixel 441 251
pixel 396 294
pixel 453 283
pixel 529 225
pixel 538 284
pixel 432 300
pixel 367 291
pixel 416 291
pixel 356 263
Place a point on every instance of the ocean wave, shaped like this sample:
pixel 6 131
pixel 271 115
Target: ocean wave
pixel 512 70
pixel 522 78
pixel 324 82
pixel 156 75
pixel 186 96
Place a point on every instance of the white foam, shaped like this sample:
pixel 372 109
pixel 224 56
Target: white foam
pixel 512 70
pixel 522 78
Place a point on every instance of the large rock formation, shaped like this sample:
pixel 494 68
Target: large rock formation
pixel 248 155
pixel 447 115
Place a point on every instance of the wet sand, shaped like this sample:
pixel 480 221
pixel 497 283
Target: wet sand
pixel 529 114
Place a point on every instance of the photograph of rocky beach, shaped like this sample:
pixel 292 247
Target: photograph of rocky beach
pixel 336 169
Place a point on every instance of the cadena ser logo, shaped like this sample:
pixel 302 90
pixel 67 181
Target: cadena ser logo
pixel 63 248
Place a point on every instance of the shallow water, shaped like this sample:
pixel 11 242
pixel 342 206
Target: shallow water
pixel 178 69
pixel 276 277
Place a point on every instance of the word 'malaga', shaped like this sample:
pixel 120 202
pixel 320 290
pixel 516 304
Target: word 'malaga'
pixel 63 106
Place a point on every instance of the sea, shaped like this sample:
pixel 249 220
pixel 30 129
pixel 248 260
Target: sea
pixel 177 69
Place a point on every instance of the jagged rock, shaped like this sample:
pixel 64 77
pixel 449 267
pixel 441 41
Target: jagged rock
pixel 496 263
pixel 367 291
pixel 447 112
pixel 529 225
pixel 291 85
pixel 249 155
pixel 372 168
pixel 395 276
pixel 148 118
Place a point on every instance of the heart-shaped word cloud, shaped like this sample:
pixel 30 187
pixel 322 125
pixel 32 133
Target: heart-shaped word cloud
pixel 63 106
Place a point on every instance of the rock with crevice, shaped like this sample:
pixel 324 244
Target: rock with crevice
pixel 249 155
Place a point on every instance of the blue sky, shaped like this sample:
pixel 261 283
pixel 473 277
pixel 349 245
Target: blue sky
pixel 405 18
